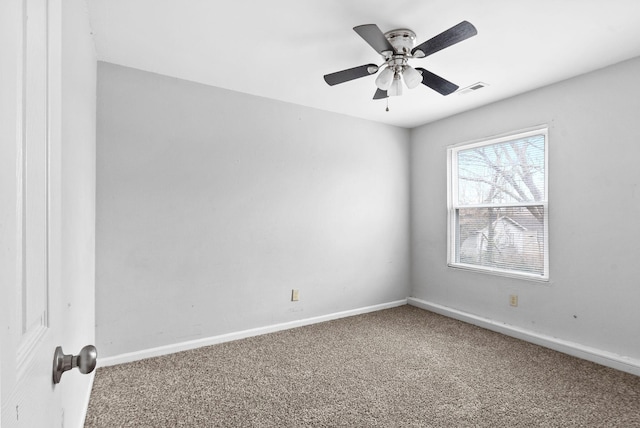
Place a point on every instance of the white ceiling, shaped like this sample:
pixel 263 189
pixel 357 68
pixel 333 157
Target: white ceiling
pixel 281 49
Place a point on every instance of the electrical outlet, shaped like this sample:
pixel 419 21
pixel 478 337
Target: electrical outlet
pixel 513 300
pixel 295 295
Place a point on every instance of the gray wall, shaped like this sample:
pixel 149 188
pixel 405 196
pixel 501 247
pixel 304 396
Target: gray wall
pixel 213 205
pixel 594 206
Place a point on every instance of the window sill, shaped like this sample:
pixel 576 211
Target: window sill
pixel 500 272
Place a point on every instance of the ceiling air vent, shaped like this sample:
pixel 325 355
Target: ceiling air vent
pixel 472 88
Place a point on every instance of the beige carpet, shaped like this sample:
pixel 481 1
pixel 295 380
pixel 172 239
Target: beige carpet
pixel 402 367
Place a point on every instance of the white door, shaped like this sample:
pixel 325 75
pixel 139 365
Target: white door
pixel 29 212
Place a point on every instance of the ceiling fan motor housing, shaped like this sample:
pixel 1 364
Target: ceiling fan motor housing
pixel 402 40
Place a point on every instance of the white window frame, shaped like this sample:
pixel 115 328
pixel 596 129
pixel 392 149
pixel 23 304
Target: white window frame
pixel 453 206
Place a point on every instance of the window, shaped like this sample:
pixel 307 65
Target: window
pixel 498 206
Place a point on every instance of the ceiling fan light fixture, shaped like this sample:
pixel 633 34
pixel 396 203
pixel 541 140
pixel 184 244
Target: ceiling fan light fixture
pixel 412 77
pixel 384 79
pixel 395 90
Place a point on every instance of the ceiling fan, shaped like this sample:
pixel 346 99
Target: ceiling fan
pixel 396 48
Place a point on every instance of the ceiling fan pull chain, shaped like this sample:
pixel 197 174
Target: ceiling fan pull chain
pixel 387 105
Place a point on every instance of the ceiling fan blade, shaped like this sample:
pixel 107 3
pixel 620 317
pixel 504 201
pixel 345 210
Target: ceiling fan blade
pixel 437 83
pixel 380 94
pixel 447 38
pixel 376 39
pixel 350 74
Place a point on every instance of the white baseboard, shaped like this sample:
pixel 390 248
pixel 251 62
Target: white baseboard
pixel 619 362
pixel 193 344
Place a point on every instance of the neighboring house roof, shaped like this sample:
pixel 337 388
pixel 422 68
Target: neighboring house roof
pixel 502 218
pixel 509 219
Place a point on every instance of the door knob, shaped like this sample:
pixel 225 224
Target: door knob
pixel 85 361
